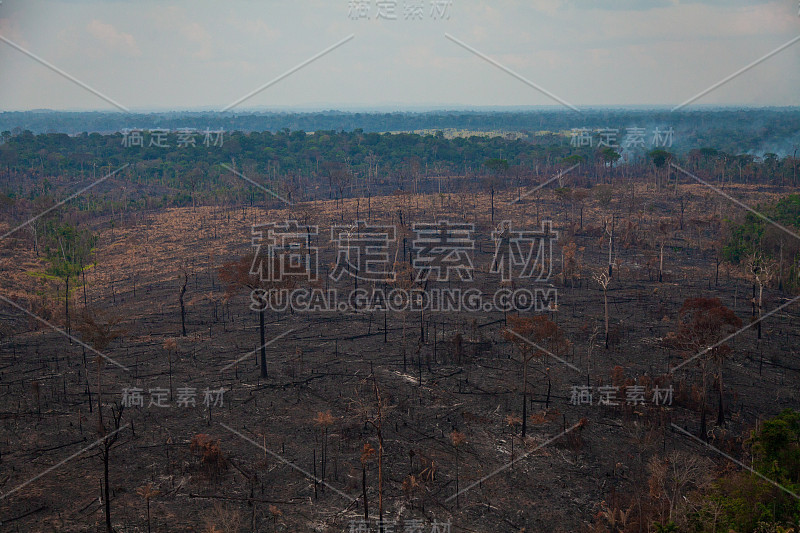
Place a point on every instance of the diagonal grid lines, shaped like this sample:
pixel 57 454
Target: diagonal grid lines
pixel 62 202
pixel 766 219
pixel 257 185
pixel 546 183
pixel 63 74
pixel 60 463
pixel 289 72
pixel 512 73
pixel 734 334
pixel 272 193
pixel 737 73
pixel 288 463
pixel 516 460
pixel 55 328
pixel 548 352
pixel 696 439
pixel 64 333
pixel 248 354
pixel 33 315
pixel 737 202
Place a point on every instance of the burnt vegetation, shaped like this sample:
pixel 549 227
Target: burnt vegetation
pixel 468 416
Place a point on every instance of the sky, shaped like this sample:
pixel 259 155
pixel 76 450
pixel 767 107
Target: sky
pixel 155 55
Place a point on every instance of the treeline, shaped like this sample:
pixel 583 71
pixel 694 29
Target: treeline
pixel 756 131
pixel 172 171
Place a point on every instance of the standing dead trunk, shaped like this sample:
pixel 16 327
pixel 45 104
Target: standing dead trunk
pixel 704 393
pixel 106 490
pixel 148 516
pixel 760 308
pixel 66 305
pixel 183 306
pixel 721 411
pixel 524 398
pixel 605 304
pixel 364 490
pixel 492 204
pixel 263 344
pixel 108 441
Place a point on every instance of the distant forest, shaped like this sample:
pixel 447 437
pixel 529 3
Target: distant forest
pixel 231 168
pixel 753 131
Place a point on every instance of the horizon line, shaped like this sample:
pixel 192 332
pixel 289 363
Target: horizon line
pixel 344 109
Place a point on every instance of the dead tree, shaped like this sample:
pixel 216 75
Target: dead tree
pixel 374 415
pixel 148 493
pixel 665 230
pixel 100 333
pixel 457 439
pixel 610 233
pixel 534 337
pixel 762 270
pixel 180 299
pixel 703 325
pixel 105 451
pixel 249 273
pixel 367 453
pixel 170 345
pixel 323 421
pixel 603 280
pixel 589 350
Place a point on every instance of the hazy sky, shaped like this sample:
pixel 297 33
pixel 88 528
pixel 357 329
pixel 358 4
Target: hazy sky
pixel 178 54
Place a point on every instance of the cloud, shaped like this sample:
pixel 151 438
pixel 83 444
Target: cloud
pixel 587 51
pixel 176 20
pixel 112 38
pixel 256 28
pixel 198 37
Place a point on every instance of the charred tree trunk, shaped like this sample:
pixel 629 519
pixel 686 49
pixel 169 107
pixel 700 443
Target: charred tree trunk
pixel 364 491
pixel 492 204
pixel 703 431
pixel 605 305
pixel 183 306
pixel 721 411
pixel 263 344
pixel 106 490
pixel 524 398
pixel 66 304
